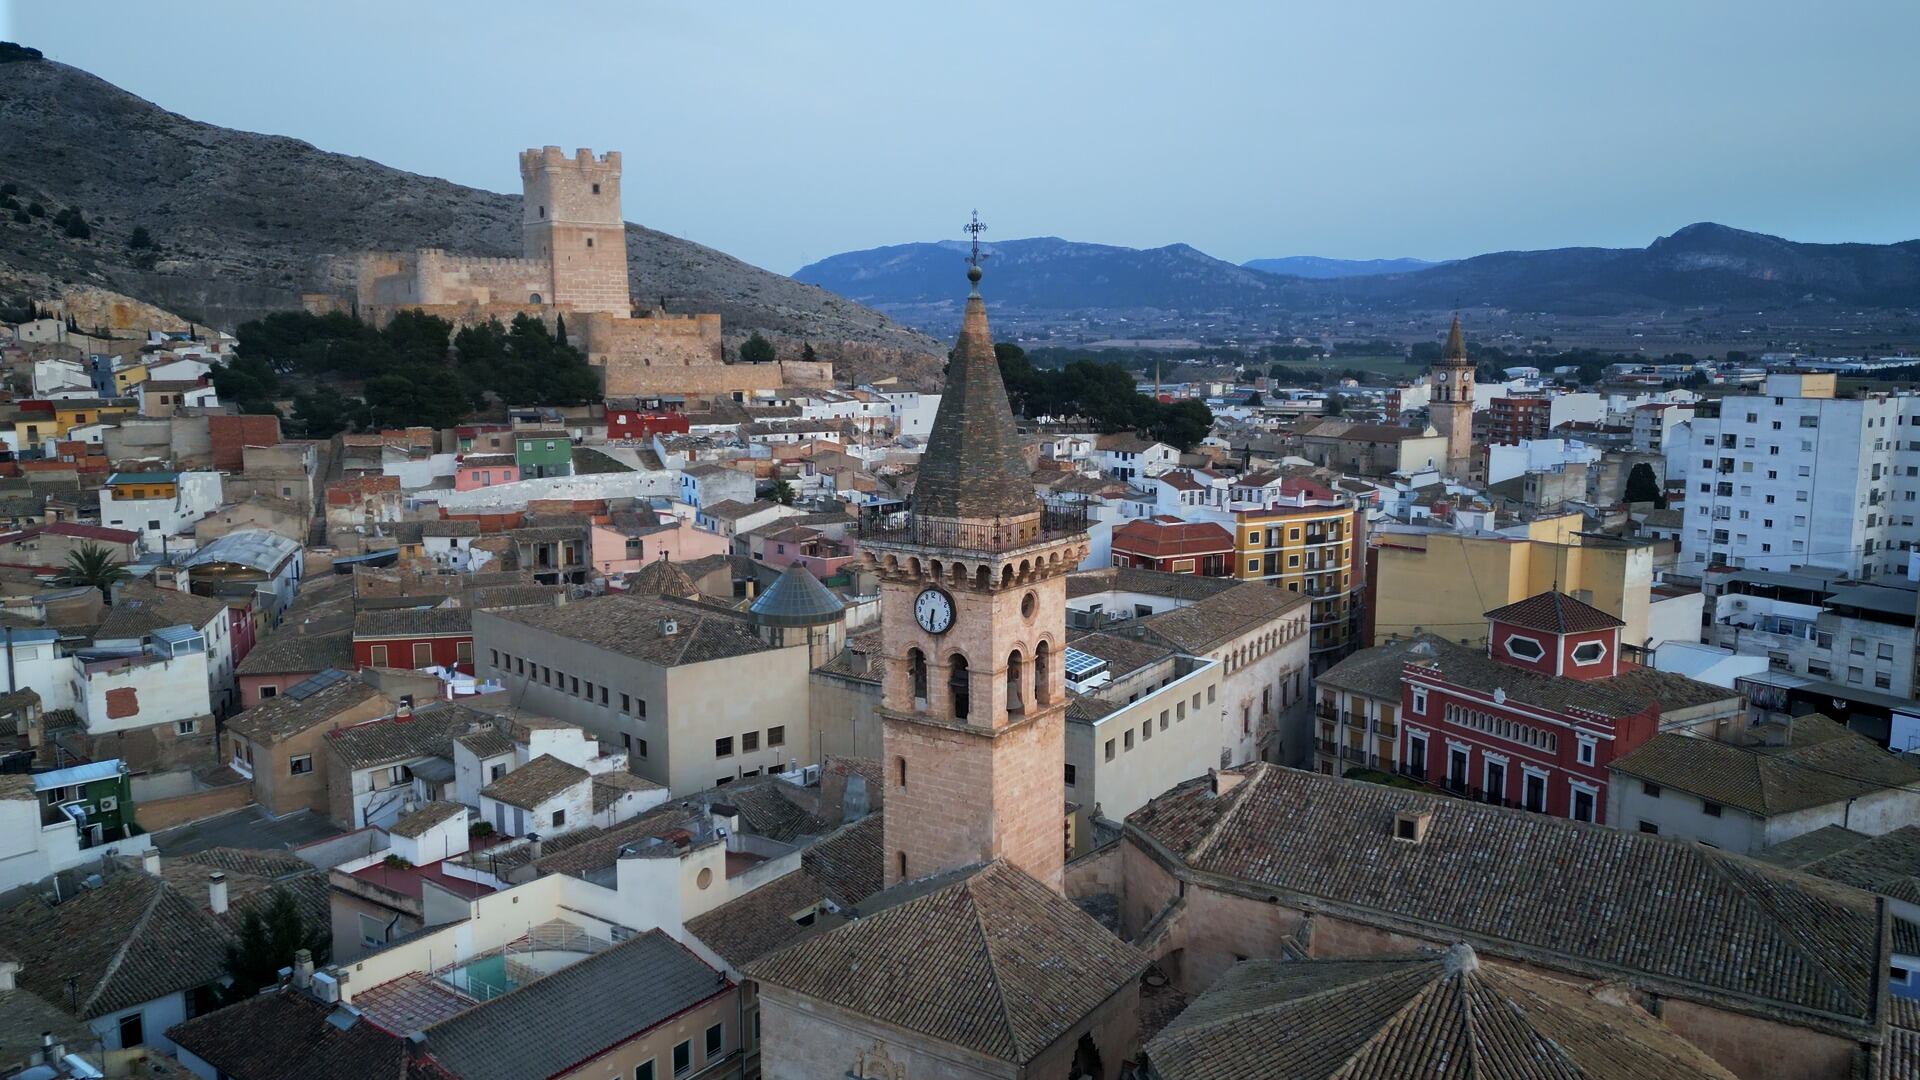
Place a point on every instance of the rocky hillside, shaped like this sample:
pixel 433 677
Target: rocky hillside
pixel 244 223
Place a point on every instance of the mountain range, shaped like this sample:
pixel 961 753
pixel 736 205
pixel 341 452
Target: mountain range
pixel 1313 266
pixel 246 222
pixel 1703 264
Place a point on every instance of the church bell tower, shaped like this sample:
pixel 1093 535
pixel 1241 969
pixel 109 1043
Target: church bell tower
pixel 973 631
pixel 1451 407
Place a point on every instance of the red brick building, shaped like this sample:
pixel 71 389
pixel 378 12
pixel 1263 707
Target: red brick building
pixel 414 638
pixel 1174 546
pixel 1534 720
pixel 1510 420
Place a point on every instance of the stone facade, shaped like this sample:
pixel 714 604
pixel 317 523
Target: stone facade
pixel 573 264
pixel 571 224
pixel 987 782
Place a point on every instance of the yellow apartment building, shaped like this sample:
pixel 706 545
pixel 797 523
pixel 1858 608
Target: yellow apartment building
pixel 1444 582
pixel 1304 549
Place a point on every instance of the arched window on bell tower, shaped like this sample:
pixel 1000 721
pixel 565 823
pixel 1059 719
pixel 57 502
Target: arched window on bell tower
pixel 957 686
pixel 917 672
pixel 1042 685
pixel 1016 701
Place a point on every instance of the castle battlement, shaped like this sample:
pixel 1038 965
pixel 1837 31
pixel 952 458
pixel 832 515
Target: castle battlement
pixel 551 157
pixel 488 262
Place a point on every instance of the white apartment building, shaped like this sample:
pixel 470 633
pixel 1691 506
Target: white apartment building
pixel 1797 477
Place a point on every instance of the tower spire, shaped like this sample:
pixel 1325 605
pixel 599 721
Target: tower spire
pixel 973 468
pixel 1456 347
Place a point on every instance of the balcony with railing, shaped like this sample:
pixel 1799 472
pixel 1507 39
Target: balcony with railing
pixel 1055 521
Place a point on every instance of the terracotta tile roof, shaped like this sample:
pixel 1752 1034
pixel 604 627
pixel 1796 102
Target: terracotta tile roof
pixel 535 782
pixel 749 927
pixel 1900 1054
pixel 413 622
pixel 129 941
pixel 661 577
pixel 284 716
pixel 1554 613
pixel 412 1002
pixel 1823 764
pixel 631 625
pixel 1634 689
pixel 987 959
pixel 1150 582
pixel 426 817
pixel 293 650
pixel 609 787
pixel 1206 624
pixel 286 1035
pixel 1687 920
pixel 585 851
pixel 580 1011
pixel 141 609
pixel 429 732
pixel 1413 1016
pixel 1888 864
pixel 1373 672
pixel 848 862
pixel 766 810
pixel 1161 540
pixel 486 743
pixel 1123 655
pixel 252 877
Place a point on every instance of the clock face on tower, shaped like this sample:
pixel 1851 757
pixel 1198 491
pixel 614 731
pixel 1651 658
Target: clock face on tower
pixel 933 610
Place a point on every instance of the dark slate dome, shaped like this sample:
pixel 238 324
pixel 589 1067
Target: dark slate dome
pixel 796 598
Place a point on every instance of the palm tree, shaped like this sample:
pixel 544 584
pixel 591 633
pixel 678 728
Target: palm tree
pixel 91 564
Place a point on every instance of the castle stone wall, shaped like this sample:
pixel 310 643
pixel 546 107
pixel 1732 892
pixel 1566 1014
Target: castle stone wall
pixel 571 223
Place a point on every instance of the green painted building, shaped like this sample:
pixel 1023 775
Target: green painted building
pixel 97 797
pixel 543 452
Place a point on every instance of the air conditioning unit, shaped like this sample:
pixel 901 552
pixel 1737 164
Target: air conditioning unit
pixel 326 987
pixel 1737 605
pixel 109 804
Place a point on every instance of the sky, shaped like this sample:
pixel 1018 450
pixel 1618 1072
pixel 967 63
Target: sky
pixel 783 133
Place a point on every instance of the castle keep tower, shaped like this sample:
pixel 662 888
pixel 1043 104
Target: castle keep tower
pixel 973 631
pixel 572 221
pixel 1451 409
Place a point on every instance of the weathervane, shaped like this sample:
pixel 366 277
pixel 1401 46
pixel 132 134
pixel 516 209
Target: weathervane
pixel 975 228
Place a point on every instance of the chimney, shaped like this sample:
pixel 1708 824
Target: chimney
pixel 52 1051
pixel 534 847
pixel 1223 782
pixel 302 968
pixel 9 975
pixel 857 661
pixel 217 892
pixel 150 860
pixel 1410 826
pixel 403 712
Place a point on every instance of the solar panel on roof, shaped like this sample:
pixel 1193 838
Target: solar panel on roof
pixel 1081 664
pixel 312 685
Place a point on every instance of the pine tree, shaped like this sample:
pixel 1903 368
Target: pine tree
pixel 270 934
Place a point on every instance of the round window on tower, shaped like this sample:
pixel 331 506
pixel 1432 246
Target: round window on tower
pixel 1029 604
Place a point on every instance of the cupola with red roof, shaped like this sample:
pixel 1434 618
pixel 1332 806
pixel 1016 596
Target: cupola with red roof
pixel 1552 633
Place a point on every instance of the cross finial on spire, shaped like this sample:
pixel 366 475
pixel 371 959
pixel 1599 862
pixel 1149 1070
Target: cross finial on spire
pixel 975 227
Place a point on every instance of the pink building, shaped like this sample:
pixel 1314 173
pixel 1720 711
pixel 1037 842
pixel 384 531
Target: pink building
pixel 624 543
pixel 822 555
pixel 484 470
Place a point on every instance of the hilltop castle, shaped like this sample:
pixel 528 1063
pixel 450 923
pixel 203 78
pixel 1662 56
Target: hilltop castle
pixel 573 264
